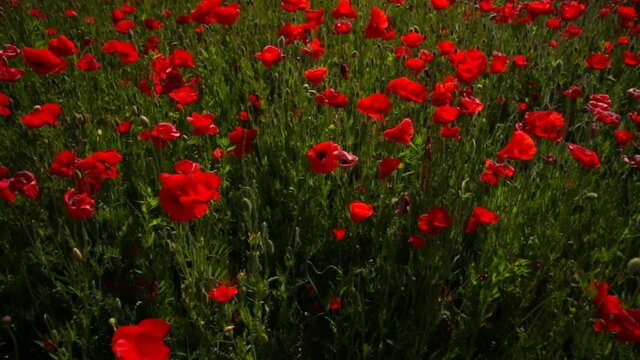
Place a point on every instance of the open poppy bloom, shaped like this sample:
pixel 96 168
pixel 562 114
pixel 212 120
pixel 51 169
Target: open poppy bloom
pixel 185 196
pixel 379 26
pixel 142 341
pixel 588 158
pixel 160 135
pixel 243 140
pixel 387 166
pixel 223 293
pixel 47 114
pixel 402 133
pixel 520 147
pixel 321 157
pixel 127 51
pixel 43 61
pixel 480 216
pixel 344 10
pixel 360 211
pixel 79 205
pixel 434 221
pixel 316 76
pixel 408 89
pixel 339 234
pixel 494 171
pixel 269 55
pixel 375 106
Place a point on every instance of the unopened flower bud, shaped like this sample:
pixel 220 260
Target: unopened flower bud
pixel 76 255
pixel 634 265
pixel 144 121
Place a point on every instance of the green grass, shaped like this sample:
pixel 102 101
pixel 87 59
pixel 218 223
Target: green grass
pixel 514 289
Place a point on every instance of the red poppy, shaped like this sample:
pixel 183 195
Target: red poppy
pixel 184 95
pixel 417 241
pixel 344 10
pixel 402 133
pixel 43 61
pixel 124 26
pixel 627 15
pixel 88 63
pixel 9 74
pixel 360 211
pixel 127 51
pixel 408 90
pixel 588 158
pixel 181 58
pixel 45 114
pixel 295 5
pixel 227 14
pixel 402 51
pixel 223 293
pixel 379 26
pixel 342 27
pixel 598 61
pixel 412 39
pixel 316 76
pixel 571 10
pixel 624 137
pixel 64 164
pixel 62 46
pixel 494 171
pixel 469 64
pixel 202 124
pixel 332 98
pixel 631 59
pixel 450 132
pixel 152 24
pixel 614 318
pixel 142 341
pixel 269 55
pixel 314 18
pixel 387 166
pixel 339 234
pixel 185 196
pixel 314 49
pixel 480 216
pixel 243 141
pixel 520 147
pixel 375 106
pixel 434 221
pixel 440 4
pixel 546 124
pixel 4 101
pixel 80 206
pixel 445 115
pixel 470 105
pixel 162 133
pixel 573 92
pixel 416 65
pixel 23 182
pixel 445 47
pixel 124 127
pixel 499 63
pixel 321 157
pixel 293 33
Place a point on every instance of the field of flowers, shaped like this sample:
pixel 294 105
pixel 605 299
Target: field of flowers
pixel 319 179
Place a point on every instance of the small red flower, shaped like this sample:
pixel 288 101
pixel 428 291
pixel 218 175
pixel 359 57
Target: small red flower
pixel 434 221
pixel 546 124
pixel 335 303
pixel 203 124
pixel 316 76
pixel 520 147
pixel 243 141
pixel 480 216
pixel 88 63
pixel 43 61
pixel 412 39
pixel 598 61
pixel 269 55
pixel 379 26
pixel 417 241
pixel 387 166
pixel 624 137
pixel 402 133
pixel 339 234
pixel 588 158
pixel 445 115
pixel 80 206
pixel 223 293
pixel 142 341
pixel 126 51
pixel 159 136
pixel 360 211
pixel 124 127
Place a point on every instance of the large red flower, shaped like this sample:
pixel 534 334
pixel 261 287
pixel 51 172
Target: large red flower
pixel 43 61
pixel 546 124
pixel 62 46
pixel 480 216
pixel 379 26
pixel 322 159
pixel 185 196
pixel 360 211
pixel 203 124
pixel 79 205
pixel 588 158
pixel 408 90
pixel 269 55
pixel 141 342
pixel 598 61
pixel 127 51
pixel 614 318
pixel 375 106
pixel 402 133
pixel 46 114
pixel 433 222
pixel 520 147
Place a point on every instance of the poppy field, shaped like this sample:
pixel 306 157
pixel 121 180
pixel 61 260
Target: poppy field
pixel 319 179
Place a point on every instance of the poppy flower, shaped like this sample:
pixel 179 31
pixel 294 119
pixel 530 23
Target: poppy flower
pixel 627 16
pixel 142 341
pixel 520 147
pixel 598 61
pixel 387 166
pixel 339 234
pixel 375 106
pixel 316 76
pixel 243 140
pixel 630 59
pixel 571 10
pixel 269 55
pixel 4 101
pixel 124 127
pixel 445 47
pixel 613 317
pixel 88 63
pixel 62 46
pixel 152 24
pixel 469 64
pixel 313 49
pixel 335 303
pixel 45 114
pixel 125 50
pixel 293 33
pixel 402 51
pixel 344 10
pixel 412 39
pixel 321 157
pixel 402 133
pixel 588 158
pixel 573 92
pixel 416 65
pixel 159 136
pixel 494 171
pixel 184 95
pixel 345 159
pixel 43 61
pixel 295 5
pixel 9 74
pixel 202 124
pixel 100 165
pixel 450 132
pixel 408 90
pixel 64 164
pixel 314 18
pixel 379 26
pixel 417 241
pixel 185 196
pixel 470 105
pixel 360 211
pixel 434 221
pixel 342 27
pixel 223 293
pixel 332 98
pixel 546 124
pixel 80 206
pixel 624 137
pixel 124 26
pixel 499 63
pixel 23 182
pixel 181 59
pixel 445 115
pixel 480 216
pixel 226 14
pixel 440 4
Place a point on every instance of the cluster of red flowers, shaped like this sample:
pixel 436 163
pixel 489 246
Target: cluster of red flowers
pixel 22 182
pixel 614 318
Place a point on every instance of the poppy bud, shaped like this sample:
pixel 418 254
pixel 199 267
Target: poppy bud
pixel 6 320
pixel 344 71
pixel 112 322
pixel 550 159
pixel 135 110
pixel 634 265
pixel 142 120
pixel 36 107
pixel 99 132
pixel 229 328
pixel 76 255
